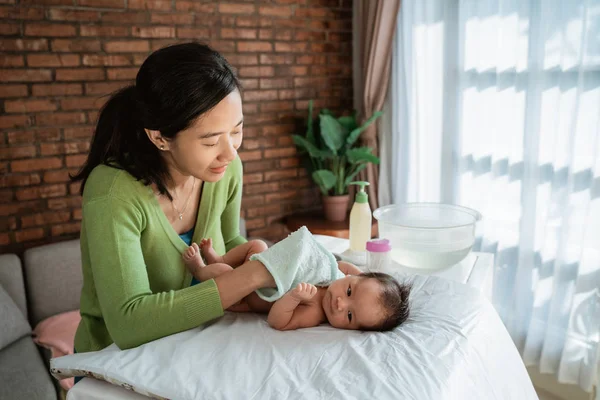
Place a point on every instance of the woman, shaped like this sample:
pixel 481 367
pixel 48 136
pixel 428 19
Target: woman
pixel 162 171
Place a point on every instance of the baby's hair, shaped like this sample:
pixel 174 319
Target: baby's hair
pixel 394 299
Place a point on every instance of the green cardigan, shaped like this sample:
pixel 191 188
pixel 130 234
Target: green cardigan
pixel 135 286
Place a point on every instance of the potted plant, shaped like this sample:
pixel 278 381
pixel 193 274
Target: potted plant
pixel 334 157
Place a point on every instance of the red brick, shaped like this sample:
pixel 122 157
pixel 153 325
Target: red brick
pixel 172 19
pixel 250 155
pixel 13 90
pixel 256 71
pixel 36 164
pixel 296 47
pixel 84 132
pixel 310 36
pixel 255 166
pixel 195 6
pixel 13 121
pixel 56 14
pixel 265 34
pixel 103 88
pixel 76 46
pixel 132 46
pixel 121 17
pixel 57 119
pixel 7 44
pixel 314 59
pixel 261 188
pixel 284 34
pixel 10 28
pixel 27 235
pixel 238 33
pixel 41 192
pixel 57 89
pixel 49 149
pixel 25 106
pixel 82 103
pixel 255 223
pixel 45 218
pixel 250 201
pixel 21 137
pixel 19 180
pixel 249 108
pixel 48 2
pixel 193 33
pixel 236 8
pixel 254 46
pixel 78 214
pixel 25 75
pixel 156 44
pixel 76 161
pixel 66 202
pixel 153 31
pixel 276 59
pixel 277 106
pixel 80 74
pixel 163 5
pixel 281 152
pixel 4 239
pixel 75 187
pixel 260 95
pixel 263 210
pixel 253 22
pixel 52 60
pixel 49 30
pixel 102 3
pixel 21 13
pixel 122 73
pixel 95 60
pixel 248 84
pixel 274 11
pixel 253 178
pixel 301 93
pixel 21 207
pixel 108 31
pixel 279 175
pixel 279 83
pixel 281 196
pixel 62 229
pixel 11 61
pixel 58 176
pixel 242 59
pixel 47 134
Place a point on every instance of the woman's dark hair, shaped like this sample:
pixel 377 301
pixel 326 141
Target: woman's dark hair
pixel 394 299
pixel 174 86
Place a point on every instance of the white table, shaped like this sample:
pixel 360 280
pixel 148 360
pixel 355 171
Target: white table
pixel 475 270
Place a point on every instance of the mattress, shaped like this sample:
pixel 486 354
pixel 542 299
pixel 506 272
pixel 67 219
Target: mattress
pixel 454 346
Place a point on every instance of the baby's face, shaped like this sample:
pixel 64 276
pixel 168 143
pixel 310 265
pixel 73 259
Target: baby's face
pixel 353 302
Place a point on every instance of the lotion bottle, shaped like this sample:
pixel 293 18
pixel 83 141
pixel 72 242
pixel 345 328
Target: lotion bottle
pixel 360 219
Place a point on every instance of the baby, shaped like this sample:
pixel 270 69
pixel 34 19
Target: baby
pixel 361 301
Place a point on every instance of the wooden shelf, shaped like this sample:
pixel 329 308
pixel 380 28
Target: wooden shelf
pixel 318 225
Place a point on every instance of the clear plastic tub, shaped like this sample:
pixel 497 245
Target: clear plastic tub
pixel 427 235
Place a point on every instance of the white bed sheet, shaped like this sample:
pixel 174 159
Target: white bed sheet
pixel 454 346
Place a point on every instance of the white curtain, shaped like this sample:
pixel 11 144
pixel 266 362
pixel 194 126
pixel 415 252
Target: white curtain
pixel 495 105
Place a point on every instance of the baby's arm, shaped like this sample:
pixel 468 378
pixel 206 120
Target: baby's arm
pixel 289 313
pixel 348 269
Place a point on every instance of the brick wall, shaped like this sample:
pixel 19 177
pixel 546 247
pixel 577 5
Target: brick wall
pixel 59 57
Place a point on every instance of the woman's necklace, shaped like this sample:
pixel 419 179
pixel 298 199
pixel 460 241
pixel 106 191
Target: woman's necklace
pixel 180 213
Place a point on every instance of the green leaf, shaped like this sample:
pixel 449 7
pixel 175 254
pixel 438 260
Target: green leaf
pixel 350 177
pixel 332 132
pixel 361 154
pixel 326 111
pixel 312 150
pixel 354 135
pixel 310 136
pixel 325 179
pixel 348 122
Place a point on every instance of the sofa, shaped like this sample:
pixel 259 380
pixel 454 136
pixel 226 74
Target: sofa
pixel 46 282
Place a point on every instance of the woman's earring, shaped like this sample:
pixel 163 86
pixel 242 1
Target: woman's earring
pixel 162 147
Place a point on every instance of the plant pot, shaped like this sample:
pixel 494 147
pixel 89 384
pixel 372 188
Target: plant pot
pixel 335 208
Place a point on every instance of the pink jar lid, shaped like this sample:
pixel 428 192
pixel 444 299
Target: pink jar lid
pixel 379 245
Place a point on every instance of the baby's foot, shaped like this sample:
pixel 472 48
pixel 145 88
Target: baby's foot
pixel 192 259
pixel 209 253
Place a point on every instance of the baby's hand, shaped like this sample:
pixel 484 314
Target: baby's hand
pixel 304 291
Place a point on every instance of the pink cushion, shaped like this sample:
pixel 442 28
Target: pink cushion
pixel 57 334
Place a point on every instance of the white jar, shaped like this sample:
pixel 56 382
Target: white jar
pixel 379 255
